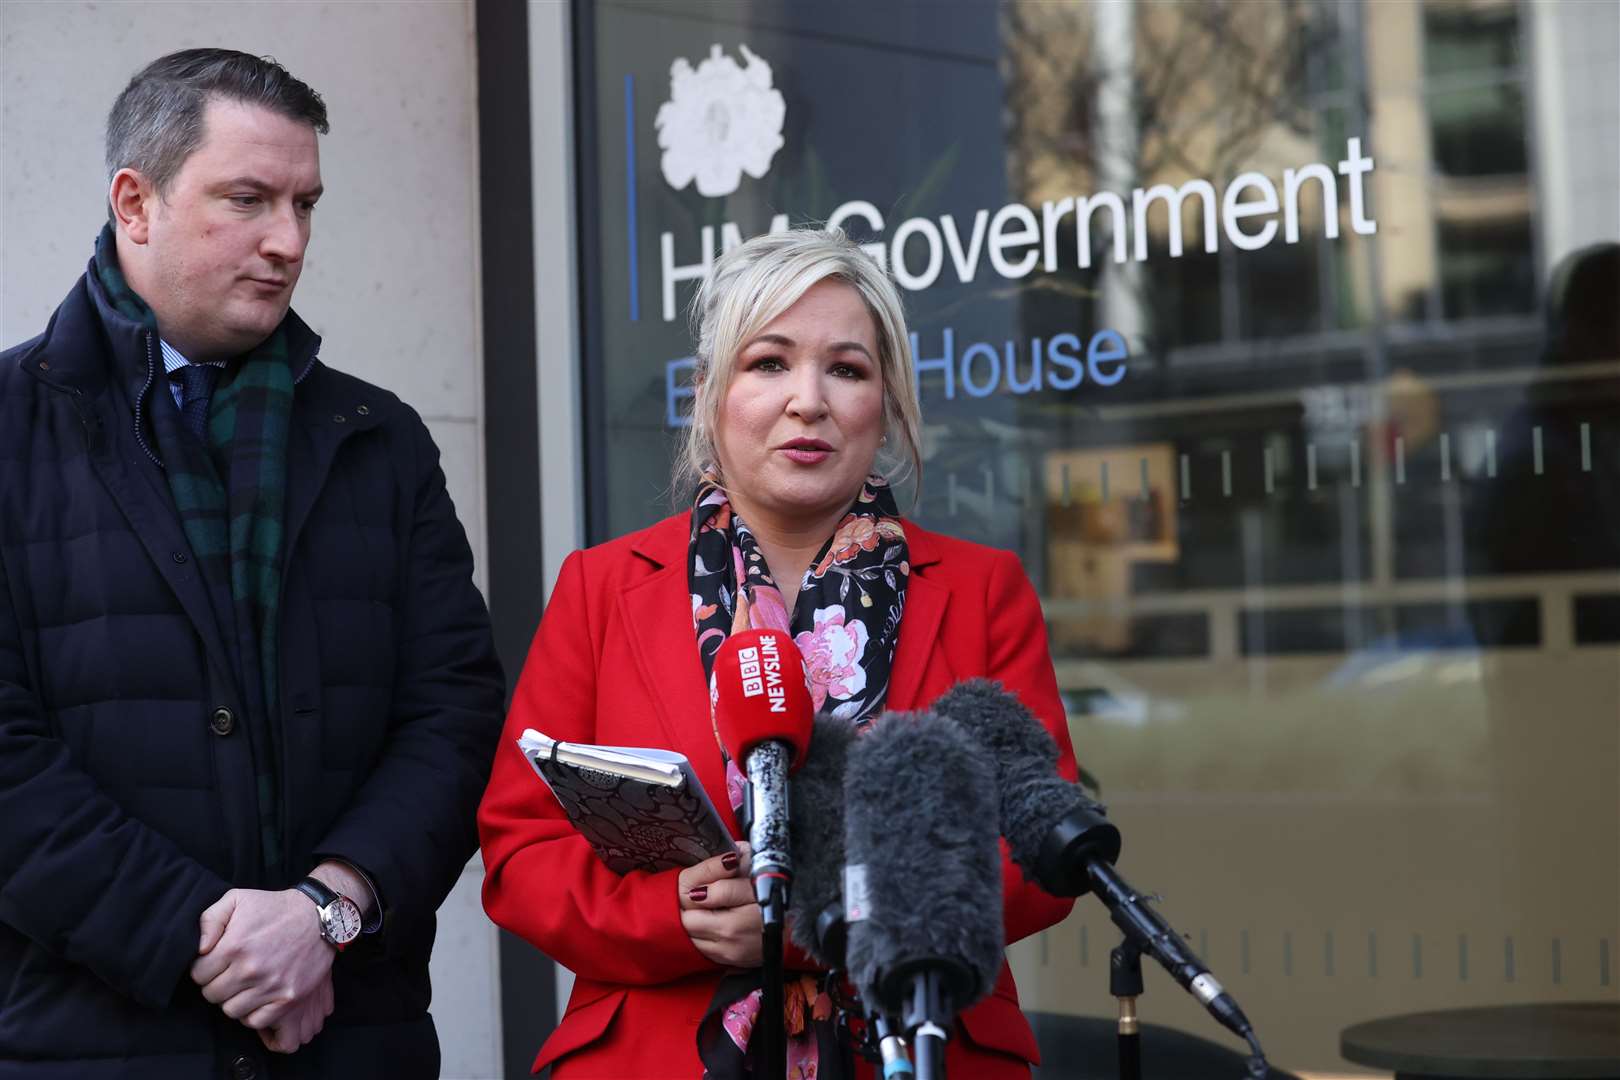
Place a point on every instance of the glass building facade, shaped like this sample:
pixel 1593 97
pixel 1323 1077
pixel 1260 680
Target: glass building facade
pixel 1282 342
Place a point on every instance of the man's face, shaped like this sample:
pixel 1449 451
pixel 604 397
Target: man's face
pixel 225 244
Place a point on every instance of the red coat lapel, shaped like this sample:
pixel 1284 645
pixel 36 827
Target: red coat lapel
pixel 665 652
pixel 919 626
pixel 666 658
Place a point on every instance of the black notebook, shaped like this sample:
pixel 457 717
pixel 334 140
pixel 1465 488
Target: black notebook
pixel 640 808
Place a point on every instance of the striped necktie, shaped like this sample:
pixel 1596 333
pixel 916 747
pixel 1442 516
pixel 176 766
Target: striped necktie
pixel 196 387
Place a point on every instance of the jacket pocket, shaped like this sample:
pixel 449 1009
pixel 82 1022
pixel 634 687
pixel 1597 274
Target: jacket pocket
pixel 998 1024
pixel 581 1026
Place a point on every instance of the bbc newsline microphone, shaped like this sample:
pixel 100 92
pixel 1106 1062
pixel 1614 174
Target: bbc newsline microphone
pixel 1064 843
pixel 922 875
pixel 764 716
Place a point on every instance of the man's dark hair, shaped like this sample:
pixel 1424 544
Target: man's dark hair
pixel 157 122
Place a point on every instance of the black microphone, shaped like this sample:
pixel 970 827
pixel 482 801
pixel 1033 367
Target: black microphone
pixel 922 882
pixel 816 908
pixel 1062 841
pixel 816 837
pixel 1050 824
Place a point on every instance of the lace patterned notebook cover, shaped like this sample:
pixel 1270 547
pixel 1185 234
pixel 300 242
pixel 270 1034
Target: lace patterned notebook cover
pixel 640 808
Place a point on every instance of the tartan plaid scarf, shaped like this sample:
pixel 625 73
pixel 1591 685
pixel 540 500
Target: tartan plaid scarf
pixel 230 495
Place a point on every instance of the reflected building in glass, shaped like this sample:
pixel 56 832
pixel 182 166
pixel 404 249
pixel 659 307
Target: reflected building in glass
pixel 1282 341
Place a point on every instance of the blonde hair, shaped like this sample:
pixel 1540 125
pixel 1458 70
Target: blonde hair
pixel 753 284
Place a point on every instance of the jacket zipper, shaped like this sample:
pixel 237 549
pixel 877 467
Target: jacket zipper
pixel 151 369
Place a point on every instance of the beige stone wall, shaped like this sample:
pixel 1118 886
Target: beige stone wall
pixel 392 278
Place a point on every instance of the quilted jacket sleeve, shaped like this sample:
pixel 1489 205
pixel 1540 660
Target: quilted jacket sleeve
pixel 410 826
pixel 78 875
pixel 542 880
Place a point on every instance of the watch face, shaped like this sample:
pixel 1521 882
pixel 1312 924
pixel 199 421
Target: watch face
pixel 342 921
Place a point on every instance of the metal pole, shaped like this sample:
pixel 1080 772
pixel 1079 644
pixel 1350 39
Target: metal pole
pixel 1125 983
pixel 770 1029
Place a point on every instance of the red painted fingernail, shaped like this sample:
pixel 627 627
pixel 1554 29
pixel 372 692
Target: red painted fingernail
pixel 698 894
pixel 729 860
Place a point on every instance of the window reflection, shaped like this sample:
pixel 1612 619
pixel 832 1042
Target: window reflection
pixel 1336 568
pixel 1465 37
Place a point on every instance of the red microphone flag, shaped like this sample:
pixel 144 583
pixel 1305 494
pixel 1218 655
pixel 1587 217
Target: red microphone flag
pixel 761 694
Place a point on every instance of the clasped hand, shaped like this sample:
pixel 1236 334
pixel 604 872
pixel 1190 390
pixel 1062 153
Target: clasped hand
pixel 262 960
pixel 719 912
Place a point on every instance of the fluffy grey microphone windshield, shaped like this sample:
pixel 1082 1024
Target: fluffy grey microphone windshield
pixel 816 833
pixel 1033 796
pixel 920 817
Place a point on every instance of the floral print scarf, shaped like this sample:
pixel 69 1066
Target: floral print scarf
pixel 847 616
pixel 845 622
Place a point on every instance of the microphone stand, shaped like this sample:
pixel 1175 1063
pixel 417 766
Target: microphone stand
pixel 884 1043
pixel 928 998
pixel 770 1031
pixel 1077 857
pixel 1143 932
pixel 892 1052
pixel 1125 983
pixel 769 1038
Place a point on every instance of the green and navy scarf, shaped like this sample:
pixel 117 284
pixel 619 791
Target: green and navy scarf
pixel 230 495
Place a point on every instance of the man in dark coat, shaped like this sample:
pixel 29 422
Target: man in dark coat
pixel 248 692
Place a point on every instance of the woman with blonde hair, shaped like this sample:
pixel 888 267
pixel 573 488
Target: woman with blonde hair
pixel 804 398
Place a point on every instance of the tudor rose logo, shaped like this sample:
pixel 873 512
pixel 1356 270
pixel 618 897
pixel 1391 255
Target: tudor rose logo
pixel 722 119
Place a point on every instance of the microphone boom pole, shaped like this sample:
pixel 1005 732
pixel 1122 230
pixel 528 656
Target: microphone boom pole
pixel 1063 842
pixel 763 717
pixel 772 873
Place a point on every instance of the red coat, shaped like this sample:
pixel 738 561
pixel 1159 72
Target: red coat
pixel 615 662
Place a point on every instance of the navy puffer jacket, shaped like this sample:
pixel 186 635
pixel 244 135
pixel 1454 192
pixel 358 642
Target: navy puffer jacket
pixel 127 799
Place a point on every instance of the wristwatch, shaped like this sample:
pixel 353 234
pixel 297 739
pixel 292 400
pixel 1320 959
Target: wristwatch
pixel 340 916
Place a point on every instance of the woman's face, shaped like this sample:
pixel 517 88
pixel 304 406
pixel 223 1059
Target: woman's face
pixel 800 423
